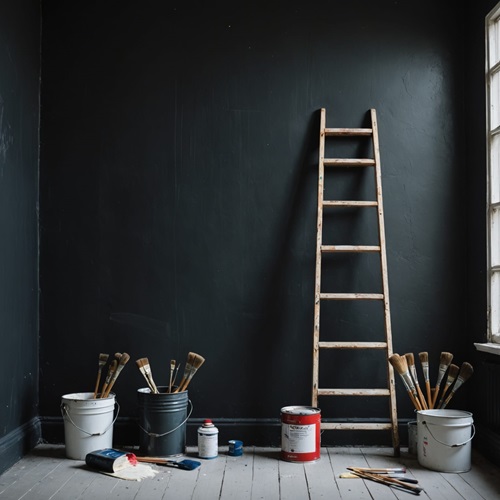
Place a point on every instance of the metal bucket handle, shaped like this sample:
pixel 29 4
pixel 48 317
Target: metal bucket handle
pixel 451 445
pixel 153 434
pixel 64 412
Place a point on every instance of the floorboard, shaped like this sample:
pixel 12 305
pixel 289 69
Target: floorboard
pixel 259 474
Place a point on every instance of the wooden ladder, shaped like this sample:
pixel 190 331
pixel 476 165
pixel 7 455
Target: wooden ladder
pixel 320 296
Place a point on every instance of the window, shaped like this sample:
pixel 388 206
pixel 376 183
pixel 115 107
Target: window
pixel 493 176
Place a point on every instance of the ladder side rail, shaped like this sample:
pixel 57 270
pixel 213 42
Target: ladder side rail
pixel 385 281
pixel 319 242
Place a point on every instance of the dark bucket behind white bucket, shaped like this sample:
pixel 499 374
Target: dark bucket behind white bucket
pixel 162 422
pixel 88 423
pixel 444 440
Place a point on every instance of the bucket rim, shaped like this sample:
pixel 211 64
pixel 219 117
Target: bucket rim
pixel 89 396
pixel 147 390
pixel 444 413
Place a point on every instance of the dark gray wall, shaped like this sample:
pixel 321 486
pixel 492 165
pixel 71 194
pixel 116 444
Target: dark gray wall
pixel 19 119
pixel 178 194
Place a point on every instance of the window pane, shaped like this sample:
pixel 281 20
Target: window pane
pixel 495 238
pixel 495 298
pixel 492 43
pixel 494 180
pixel 495 100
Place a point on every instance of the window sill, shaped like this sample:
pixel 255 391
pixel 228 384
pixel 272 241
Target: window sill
pixel 488 347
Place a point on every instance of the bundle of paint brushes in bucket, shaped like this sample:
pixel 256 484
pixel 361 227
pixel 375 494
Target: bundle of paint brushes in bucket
pixel 193 363
pixel 449 379
pixel 114 369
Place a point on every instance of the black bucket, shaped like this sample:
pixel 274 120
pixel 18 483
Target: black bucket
pixel 162 422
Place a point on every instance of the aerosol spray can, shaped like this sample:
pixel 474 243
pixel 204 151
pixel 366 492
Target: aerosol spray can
pixel 208 440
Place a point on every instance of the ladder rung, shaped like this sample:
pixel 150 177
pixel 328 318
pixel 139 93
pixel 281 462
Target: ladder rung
pixel 348 426
pixel 348 131
pixel 351 296
pixel 348 162
pixel 347 203
pixel 353 392
pixel 352 345
pixel 350 248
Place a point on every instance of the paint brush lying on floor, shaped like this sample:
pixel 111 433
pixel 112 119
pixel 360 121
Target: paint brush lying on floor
pixel 388 481
pixel 181 464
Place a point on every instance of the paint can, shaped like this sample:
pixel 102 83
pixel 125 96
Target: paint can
pixel 162 421
pixel 444 440
pixel 88 423
pixel 235 448
pixel 300 433
pixel 208 440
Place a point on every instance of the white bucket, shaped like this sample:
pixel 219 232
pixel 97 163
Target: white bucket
pixel 444 440
pixel 88 423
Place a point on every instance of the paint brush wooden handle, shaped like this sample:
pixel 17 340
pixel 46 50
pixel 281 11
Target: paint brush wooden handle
pixel 187 371
pixel 102 362
pixel 111 370
pixel 124 358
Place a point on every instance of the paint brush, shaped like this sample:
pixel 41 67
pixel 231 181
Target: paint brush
pixel 388 481
pixel 111 369
pixel 196 361
pixel 424 361
pixel 399 363
pixel 452 375
pixel 444 362
pixel 181 464
pixel 410 360
pixel 145 369
pixel 187 371
pixel 124 358
pixel 401 477
pixel 103 358
pixel 172 370
pixel 464 374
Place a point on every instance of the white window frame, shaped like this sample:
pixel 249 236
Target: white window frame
pixel 492 31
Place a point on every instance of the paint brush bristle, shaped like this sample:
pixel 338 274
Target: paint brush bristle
pixel 452 375
pixel 103 358
pixel 464 374
pixel 124 358
pixel 424 361
pixel 401 366
pixel 444 361
pixel 410 359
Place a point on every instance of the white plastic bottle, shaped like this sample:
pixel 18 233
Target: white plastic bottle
pixel 208 440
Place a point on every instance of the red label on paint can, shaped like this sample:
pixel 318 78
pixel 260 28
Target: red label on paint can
pixel 300 433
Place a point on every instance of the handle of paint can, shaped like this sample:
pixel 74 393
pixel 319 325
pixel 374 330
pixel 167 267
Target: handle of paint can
pixel 451 445
pixel 65 412
pixel 153 434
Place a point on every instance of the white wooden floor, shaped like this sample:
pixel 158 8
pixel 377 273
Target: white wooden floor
pixel 45 474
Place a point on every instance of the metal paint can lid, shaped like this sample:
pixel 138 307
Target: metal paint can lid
pixel 235 448
pixel 300 410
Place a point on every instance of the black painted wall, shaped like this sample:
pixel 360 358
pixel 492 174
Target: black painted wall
pixel 178 194
pixel 19 121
